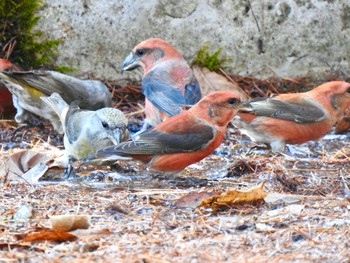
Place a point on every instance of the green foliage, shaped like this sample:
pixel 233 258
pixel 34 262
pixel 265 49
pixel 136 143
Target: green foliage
pixel 64 69
pixel 17 20
pixel 212 61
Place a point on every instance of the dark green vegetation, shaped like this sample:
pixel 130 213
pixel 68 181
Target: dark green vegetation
pixel 212 61
pixel 18 40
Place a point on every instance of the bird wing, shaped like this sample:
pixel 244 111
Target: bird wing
pixel 58 105
pixel 166 96
pixel 302 111
pixel 154 142
pixel 37 79
pixel 48 82
pixel 72 124
pixel 192 93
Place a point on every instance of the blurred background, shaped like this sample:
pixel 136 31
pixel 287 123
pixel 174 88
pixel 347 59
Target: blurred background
pixel 263 38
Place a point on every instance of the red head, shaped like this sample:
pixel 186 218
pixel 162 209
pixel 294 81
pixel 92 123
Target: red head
pixel 149 53
pixel 5 64
pixel 217 107
pixel 334 96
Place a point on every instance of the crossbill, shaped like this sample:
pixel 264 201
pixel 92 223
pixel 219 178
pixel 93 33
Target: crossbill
pixel 6 105
pixel 293 118
pixel 28 86
pixel 343 124
pixel 167 83
pixel 86 131
pixel 183 139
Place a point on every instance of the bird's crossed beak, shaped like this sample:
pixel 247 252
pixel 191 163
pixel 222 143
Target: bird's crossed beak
pixel 116 136
pixel 119 135
pixel 130 62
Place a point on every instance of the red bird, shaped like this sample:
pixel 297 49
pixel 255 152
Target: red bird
pixel 293 118
pixel 167 82
pixel 343 124
pixel 183 139
pixel 6 105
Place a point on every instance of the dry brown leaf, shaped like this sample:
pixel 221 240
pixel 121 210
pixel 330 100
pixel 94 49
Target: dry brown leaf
pixel 234 196
pixel 193 199
pixel 15 166
pixel 48 234
pixel 69 222
pixel 211 81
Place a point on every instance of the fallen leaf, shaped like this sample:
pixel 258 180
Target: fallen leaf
pixel 211 81
pixel 48 234
pixel 33 175
pixel 69 222
pixel 193 199
pixel 234 196
pixel 23 212
pixel 16 165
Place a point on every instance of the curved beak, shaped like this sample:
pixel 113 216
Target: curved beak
pixel 120 135
pixel 130 63
pixel 116 136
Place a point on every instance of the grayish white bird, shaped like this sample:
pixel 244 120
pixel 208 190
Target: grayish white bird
pixel 87 131
pixel 28 86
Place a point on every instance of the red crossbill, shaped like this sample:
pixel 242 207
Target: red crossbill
pixel 293 118
pixel 167 82
pixel 183 139
pixel 6 105
pixel 343 124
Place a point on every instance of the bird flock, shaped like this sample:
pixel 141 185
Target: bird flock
pixel 180 127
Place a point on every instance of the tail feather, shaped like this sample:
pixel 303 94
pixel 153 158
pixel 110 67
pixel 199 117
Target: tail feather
pixel 58 105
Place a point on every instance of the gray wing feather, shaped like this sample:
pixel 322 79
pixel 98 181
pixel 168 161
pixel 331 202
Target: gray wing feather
pixel 163 95
pixel 156 142
pixel 301 113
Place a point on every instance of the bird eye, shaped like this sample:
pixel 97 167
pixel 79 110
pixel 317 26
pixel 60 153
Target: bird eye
pixel 140 52
pixel 232 100
pixel 105 125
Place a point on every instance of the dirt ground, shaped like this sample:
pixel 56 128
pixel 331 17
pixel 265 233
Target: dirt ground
pixel 137 216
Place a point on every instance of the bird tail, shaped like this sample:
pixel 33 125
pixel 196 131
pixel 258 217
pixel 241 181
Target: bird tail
pixel 3 76
pixel 58 105
pixel 6 79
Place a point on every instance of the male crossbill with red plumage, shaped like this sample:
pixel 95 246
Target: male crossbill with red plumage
pixel 167 83
pixel 6 105
pixel 343 124
pixel 293 118
pixel 182 139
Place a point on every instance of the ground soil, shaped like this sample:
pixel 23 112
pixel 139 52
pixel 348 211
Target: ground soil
pixel 134 215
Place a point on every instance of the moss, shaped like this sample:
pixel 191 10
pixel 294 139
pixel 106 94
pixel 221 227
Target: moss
pixel 17 20
pixel 212 61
